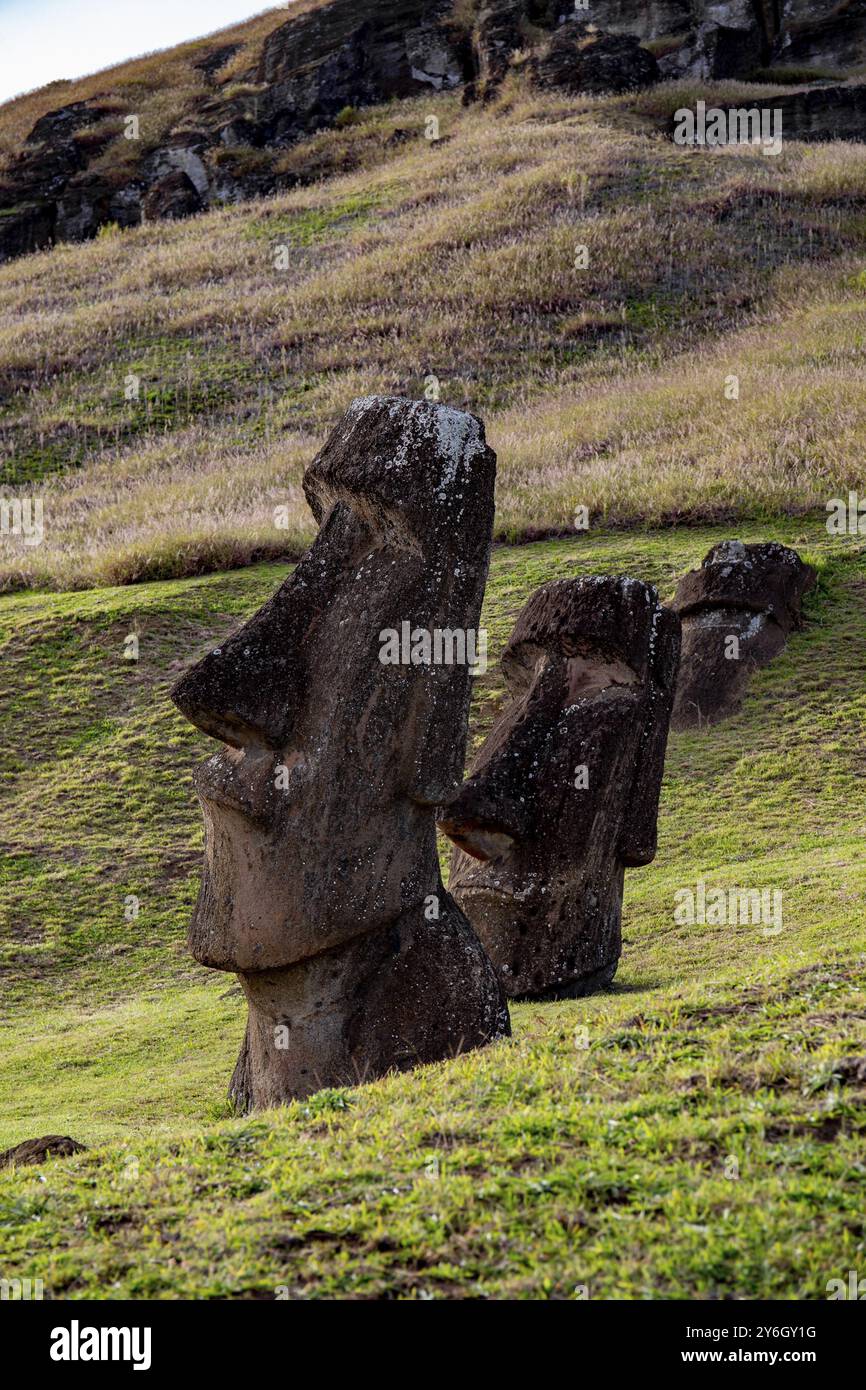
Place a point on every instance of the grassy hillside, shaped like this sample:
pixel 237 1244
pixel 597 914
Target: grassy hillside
pixel 675 340
pixel 161 87
pixel 606 384
pixel 696 1132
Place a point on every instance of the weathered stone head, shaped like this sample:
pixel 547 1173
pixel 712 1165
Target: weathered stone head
pixel 321 884
pixel 563 796
pixel 737 611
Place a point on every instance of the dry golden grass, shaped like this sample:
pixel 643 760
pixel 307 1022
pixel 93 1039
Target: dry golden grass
pixel 158 82
pixel 602 386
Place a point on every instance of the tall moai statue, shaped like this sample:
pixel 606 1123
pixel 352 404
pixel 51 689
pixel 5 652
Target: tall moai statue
pixel 341 734
pixel 563 796
pixel 737 612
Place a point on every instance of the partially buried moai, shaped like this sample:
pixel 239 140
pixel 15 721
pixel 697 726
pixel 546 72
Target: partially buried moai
pixel 737 611
pixel 321 884
pixel 563 796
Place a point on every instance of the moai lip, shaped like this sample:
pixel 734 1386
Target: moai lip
pixel 321 885
pixel 564 794
pixel 737 612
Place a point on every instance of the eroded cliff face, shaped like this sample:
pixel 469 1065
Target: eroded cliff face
pixel 356 53
pixel 829 33
pixel 729 38
pixel 351 54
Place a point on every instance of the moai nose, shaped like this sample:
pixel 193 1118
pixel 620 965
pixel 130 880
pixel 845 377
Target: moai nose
pixel 495 808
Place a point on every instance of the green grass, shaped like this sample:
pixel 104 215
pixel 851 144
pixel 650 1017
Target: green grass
pixel 153 386
pixel 307 228
pixel 694 1133
pixel 697 1131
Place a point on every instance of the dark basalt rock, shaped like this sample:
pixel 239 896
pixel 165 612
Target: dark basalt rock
pixel 38 1150
pixel 89 201
pixel 563 796
pixel 174 196
pixel 28 227
pixel 355 53
pixel 823 33
pixel 31 213
pixel 58 127
pixel 44 170
pixel 737 611
pixel 498 34
pixel 732 39
pixel 217 58
pixel 836 111
pixel 185 150
pixel 239 130
pixel 581 59
pixel 321 884
pixel 695 38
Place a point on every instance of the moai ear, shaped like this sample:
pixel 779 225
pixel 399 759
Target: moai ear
pixel 639 838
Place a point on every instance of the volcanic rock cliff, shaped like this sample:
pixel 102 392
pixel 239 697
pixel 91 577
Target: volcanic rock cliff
pixel 334 57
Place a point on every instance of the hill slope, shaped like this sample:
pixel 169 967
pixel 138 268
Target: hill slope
pixel 162 387
pixel 674 340
pixel 698 1132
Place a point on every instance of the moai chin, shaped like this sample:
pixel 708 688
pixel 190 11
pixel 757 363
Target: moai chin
pixel 563 796
pixel 737 611
pixel 321 885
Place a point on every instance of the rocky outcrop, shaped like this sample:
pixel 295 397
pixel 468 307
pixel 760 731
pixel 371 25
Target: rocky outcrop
pixel 349 54
pixel 830 112
pixel 581 59
pixel 31 1151
pixel 89 201
pixel 731 38
pixel 497 36
pixel 173 196
pixel 49 194
pixel 433 59
pixel 822 33
pixel 353 53
pixel 26 227
pixel 696 38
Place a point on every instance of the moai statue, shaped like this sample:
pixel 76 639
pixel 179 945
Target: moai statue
pixel 737 611
pixel 564 794
pixel 321 885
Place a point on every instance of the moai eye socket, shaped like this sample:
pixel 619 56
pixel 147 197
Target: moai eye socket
pixel 587 669
pixel 591 674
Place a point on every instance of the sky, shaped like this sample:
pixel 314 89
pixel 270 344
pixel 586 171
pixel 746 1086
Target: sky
pixel 42 40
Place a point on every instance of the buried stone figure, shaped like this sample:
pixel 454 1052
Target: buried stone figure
pixel 321 884
pixel 563 796
pixel 737 611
